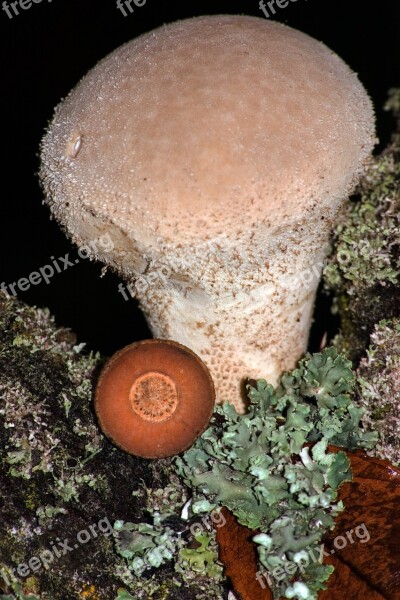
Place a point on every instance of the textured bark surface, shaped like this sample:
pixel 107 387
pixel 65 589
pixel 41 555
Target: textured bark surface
pixel 59 475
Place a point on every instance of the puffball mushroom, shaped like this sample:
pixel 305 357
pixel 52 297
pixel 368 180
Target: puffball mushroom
pixel 217 153
pixel 154 398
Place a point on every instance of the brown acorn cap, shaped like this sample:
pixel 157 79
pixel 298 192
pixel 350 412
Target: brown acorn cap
pixel 154 398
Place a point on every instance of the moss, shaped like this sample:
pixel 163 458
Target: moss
pixel 363 272
pixel 59 476
pixel 378 389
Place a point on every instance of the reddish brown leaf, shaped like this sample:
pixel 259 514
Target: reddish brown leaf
pixel 365 569
pixel 239 556
pixel 342 584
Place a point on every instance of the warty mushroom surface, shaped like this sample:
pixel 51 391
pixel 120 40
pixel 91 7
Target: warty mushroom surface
pixel 217 153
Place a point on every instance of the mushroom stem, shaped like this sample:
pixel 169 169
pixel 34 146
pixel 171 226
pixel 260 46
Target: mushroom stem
pixel 271 287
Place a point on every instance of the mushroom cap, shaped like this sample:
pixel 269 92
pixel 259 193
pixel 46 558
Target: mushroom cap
pixel 183 133
pixel 154 398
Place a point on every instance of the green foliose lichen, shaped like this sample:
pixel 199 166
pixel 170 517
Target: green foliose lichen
pixel 147 546
pixel 363 272
pixel 260 466
pixel 201 560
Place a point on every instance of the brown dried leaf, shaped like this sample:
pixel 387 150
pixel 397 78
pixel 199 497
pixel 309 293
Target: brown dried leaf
pixel 365 569
pixel 238 554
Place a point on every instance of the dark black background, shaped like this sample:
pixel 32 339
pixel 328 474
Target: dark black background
pixel 49 47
